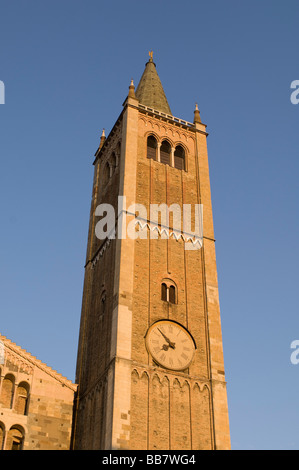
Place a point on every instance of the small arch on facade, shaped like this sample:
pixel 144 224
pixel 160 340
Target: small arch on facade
pixel 156 378
pixel 144 374
pixel 15 438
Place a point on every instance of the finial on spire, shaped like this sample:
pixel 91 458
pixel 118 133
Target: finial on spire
pixel 132 89
pixel 196 114
pixel 151 56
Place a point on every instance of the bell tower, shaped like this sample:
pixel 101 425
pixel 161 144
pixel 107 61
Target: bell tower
pixel 150 368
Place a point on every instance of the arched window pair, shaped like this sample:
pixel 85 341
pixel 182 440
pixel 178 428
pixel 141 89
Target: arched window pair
pixel 168 292
pixel 14 399
pixel 165 154
pixel 109 169
pixel 110 166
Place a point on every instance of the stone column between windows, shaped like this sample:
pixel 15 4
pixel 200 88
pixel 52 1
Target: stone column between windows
pixel 172 157
pixel 158 151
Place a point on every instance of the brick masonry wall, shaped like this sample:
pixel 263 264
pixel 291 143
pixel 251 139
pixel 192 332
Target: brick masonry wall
pixel 169 410
pixel 125 399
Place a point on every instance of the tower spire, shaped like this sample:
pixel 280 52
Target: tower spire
pixel 150 90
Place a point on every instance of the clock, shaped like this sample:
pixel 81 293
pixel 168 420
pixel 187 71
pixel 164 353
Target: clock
pixel 170 344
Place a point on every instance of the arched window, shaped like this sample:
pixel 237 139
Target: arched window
pixel 165 150
pixel 2 434
pixel 151 147
pixel 7 391
pixel 21 399
pixel 106 174
pixel 15 438
pixel 113 161
pixel 164 292
pixel 168 292
pixel 103 303
pixel 172 294
pixel 179 158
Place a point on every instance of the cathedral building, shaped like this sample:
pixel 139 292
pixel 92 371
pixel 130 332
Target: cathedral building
pixel 36 402
pixel 150 369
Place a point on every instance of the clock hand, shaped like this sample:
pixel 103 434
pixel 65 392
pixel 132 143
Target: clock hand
pixel 171 345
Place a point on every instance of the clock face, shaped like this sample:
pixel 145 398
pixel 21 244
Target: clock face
pixel 170 345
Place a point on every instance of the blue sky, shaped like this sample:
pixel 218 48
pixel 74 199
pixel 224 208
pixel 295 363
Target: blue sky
pixel 66 67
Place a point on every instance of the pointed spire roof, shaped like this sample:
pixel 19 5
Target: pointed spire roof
pixel 150 90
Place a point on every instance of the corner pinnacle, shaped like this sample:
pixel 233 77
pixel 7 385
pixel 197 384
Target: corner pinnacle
pixel 103 138
pixel 196 114
pixel 132 90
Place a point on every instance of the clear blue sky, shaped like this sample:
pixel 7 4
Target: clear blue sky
pixel 67 66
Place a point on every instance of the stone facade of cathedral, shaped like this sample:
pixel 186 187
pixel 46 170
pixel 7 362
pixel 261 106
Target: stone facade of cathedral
pixel 36 402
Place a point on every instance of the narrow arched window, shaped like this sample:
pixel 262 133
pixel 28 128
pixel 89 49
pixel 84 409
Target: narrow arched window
pixel 21 399
pixel 165 150
pixel 172 294
pixel 164 292
pixel 7 391
pixel 118 150
pixel 2 434
pixel 151 147
pixel 106 174
pixel 179 158
pixel 103 303
pixel 113 161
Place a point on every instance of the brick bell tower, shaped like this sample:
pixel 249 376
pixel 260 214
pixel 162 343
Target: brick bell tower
pixel 150 369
